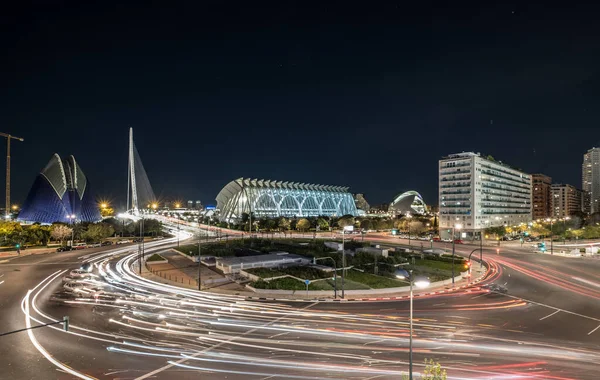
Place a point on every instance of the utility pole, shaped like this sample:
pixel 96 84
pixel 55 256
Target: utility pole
pixel 8 138
pixel 199 264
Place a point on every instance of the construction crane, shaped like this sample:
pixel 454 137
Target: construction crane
pixel 8 138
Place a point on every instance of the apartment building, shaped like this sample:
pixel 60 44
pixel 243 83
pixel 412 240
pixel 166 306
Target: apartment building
pixel 541 198
pixel 477 192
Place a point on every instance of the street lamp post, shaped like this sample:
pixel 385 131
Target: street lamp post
pixel 141 245
pixel 456 226
pixel 408 217
pixel 343 259
pixel 334 272
pixel 420 283
pixel 71 222
pixel 551 236
pixel 199 264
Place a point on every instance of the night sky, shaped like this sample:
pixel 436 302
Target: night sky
pixel 344 93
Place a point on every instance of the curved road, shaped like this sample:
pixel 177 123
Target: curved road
pixel 546 327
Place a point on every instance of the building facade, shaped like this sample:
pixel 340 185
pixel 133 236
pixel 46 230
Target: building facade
pixel 60 193
pixel 541 198
pixel 478 192
pixel 590 179
pixel 567 200
pixel 267 198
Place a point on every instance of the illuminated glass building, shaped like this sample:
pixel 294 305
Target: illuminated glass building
pixel 266 198
pixel 59 191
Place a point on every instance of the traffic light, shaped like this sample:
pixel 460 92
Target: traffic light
pixel 497 251
pixel 17 246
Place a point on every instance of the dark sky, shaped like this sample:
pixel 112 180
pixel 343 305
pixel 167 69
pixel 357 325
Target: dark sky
pixel 364 94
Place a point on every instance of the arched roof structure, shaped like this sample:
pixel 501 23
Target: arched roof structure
pixel 269 198
pixel 408 202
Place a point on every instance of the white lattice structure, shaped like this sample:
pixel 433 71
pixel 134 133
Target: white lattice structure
pixel 267 198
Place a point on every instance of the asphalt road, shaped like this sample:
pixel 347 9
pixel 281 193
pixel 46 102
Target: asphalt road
pixel 543 328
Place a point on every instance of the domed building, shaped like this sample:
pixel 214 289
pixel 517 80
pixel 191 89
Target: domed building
pixel 60 193
pixel 409 202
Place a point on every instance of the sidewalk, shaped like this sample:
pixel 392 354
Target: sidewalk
pixel 183 272
pixel 26 252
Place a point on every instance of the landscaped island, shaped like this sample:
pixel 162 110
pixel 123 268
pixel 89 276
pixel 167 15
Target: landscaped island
pixel 366 267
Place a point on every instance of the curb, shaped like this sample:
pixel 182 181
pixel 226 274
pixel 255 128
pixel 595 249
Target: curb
pixel 374 299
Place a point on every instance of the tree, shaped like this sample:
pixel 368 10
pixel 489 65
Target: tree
pixel 539 230
pixel 283 224
pixel 36 234
pixel 303 224
pixel 433 371
pixel 384 224
pixel 366 224
pixel 60 232
pixel 97 232
pixel 345 221
pixel 498 231
pixel 416 227
pixel 323 224
pixel 106 211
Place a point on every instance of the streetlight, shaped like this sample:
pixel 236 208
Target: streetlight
pixel 551 235
pixel 420 282
pixel 455 227
pixel 408 216
pixel 71 221
pixel 334 272
pixel 344 229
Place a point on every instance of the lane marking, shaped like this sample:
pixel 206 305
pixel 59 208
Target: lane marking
pixel 586 281
pixel 553 307
pixel 591 332
pixel 549 315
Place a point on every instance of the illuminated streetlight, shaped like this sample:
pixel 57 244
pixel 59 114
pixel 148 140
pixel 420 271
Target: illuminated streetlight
pixel 408 216
pixel 420 282
pixel 456 227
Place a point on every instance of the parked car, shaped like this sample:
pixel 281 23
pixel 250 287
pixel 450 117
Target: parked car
pixel 437 239
pixel 64 249
pixel 123 242
pixel 138 240
pixel 94 245
pixel 80 246
pixel 105 243
pixel 458 241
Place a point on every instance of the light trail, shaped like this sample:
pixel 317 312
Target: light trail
pixel 179 325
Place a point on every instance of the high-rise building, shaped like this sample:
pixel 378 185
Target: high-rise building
pixel 566 200
pixel 190 205
pixel 590 178
pixel 478 192
pixel 199 205
pixel 541 199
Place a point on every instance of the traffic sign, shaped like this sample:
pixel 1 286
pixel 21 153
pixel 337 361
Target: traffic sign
pixel 307 282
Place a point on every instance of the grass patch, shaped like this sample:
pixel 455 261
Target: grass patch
pixel 374 281
pixel 156 257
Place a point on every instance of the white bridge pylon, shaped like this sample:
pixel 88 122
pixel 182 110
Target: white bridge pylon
pixel 139 190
